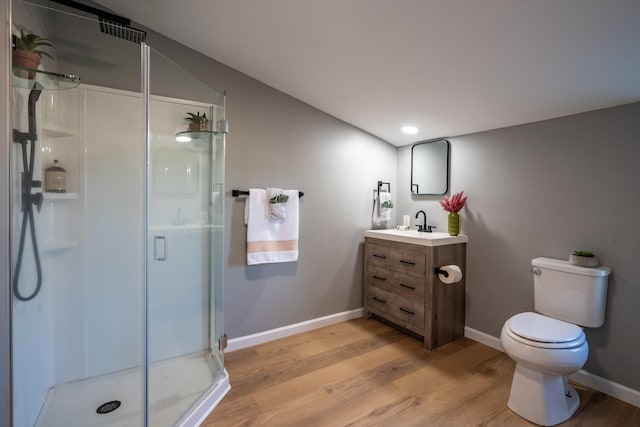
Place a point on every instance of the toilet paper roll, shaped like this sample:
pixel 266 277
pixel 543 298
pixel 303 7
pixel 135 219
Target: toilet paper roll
pixel 454 274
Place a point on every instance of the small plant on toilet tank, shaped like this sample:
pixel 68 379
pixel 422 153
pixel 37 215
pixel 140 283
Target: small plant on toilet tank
pixel 584 259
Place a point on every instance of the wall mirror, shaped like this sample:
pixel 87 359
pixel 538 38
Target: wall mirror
pixel 430 167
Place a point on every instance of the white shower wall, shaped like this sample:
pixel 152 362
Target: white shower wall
pixel 46 329
pixel 114 230
pixel 179 186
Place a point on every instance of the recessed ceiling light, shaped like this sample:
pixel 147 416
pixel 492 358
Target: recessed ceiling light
pixel 409 129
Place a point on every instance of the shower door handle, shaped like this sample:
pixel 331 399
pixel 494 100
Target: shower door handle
pixel 160 250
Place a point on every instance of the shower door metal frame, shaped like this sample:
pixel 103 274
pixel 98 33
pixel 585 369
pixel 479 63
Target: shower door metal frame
pixel 6 406
pixel 146 93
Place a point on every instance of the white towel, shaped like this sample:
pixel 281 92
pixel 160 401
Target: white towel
pixel 268 240
pixel 381 215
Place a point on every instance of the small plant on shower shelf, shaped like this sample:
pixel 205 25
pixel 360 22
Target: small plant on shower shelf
pixel 197 122
pixel 27 52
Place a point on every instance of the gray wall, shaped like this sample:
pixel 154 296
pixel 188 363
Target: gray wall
pixel 545 189
pixel 278 141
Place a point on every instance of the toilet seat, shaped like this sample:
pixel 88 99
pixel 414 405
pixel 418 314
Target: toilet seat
pixel 545 332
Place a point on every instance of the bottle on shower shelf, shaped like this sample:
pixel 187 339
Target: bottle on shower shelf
pixel 55 178
pixel 204 125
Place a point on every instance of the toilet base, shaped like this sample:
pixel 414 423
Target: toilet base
pixel 541 398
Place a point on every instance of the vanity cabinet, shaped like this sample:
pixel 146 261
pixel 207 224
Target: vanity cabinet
pixel 401 287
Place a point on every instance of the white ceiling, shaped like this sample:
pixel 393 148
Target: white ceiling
pixel 449 67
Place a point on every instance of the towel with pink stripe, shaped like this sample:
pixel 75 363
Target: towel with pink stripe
pixel 271 239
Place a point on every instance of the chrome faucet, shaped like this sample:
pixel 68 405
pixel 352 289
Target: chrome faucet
pixel 424 227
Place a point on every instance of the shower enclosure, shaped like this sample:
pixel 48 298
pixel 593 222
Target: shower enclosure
pixel 116 268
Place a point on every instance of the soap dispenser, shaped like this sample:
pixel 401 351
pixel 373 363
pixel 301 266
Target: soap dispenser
pixel 55 178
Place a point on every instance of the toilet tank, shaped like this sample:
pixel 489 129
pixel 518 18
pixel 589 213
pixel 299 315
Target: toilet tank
pixel 571 293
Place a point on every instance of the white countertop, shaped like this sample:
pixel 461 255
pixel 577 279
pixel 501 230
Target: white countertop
pixel 416 237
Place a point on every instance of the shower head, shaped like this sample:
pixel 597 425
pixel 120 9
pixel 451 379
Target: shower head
pixel 122 31
pixel 111 24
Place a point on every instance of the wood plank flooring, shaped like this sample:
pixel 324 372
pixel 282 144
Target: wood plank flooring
pixel 365 373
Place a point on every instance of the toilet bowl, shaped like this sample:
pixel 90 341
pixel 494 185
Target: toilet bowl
pixel 545 350
pixel 545 344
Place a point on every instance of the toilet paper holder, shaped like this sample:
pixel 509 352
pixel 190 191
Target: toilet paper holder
pixel 440 271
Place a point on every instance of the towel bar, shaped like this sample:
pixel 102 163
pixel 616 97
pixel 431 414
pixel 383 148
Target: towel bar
pixel 380 184
pixel 238 193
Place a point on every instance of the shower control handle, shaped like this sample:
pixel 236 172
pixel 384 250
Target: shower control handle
pixel 160 250
pixel 37 200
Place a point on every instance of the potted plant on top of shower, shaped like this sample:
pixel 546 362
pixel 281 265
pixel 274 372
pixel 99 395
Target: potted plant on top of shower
pixel 27 53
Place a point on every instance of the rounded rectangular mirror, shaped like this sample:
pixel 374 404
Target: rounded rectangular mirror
pixel 430 167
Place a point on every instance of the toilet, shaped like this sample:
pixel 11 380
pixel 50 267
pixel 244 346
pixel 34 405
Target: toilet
pixel 550 344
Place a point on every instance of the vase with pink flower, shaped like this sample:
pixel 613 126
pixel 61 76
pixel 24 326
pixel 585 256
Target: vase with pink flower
pixel 453 205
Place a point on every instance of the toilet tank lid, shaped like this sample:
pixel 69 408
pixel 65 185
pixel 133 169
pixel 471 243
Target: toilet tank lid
pixel 536 327
pixel 562 265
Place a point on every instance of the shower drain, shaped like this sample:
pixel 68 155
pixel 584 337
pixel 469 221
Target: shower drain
pixel 109 406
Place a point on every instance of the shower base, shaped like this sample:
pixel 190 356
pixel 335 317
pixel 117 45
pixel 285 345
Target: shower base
pixel 175 385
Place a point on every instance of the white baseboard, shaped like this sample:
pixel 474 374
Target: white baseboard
pixel 483 338
pixel 583 377
pixel 285 331
pixel 605 386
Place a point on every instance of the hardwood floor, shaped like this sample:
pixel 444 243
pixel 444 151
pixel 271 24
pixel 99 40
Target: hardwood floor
pixel 365 373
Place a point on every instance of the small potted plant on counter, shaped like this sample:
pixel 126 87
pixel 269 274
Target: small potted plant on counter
pixel 583 259
pixel 28 53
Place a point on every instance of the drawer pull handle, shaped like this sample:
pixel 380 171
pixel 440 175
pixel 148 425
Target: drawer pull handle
pixel 407 311
pixel 379 256
pixel 407 262
pixel 380 300
pixel 379 278
pixel 413 288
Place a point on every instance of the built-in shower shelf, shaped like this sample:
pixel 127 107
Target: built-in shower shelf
pixel 59 245
pixel 55 131
pixel 60 196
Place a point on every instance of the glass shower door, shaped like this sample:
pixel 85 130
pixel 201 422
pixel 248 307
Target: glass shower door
pixel 117 303
pixel 185 218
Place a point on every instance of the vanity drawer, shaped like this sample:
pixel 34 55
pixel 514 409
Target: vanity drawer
pixel 408 262
pixel 406 285
pixel 405 312
pixel 397 257
pixel 377 254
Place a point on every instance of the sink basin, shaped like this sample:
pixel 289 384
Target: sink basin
pixel 416 237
